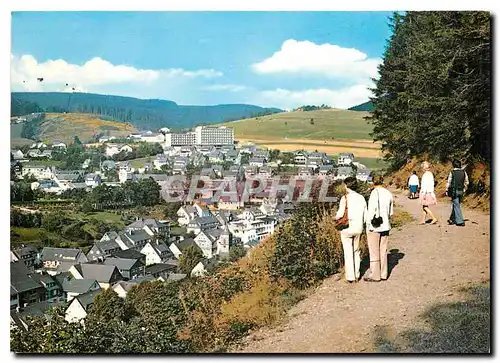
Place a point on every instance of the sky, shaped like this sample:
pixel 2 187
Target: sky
pixel 270 59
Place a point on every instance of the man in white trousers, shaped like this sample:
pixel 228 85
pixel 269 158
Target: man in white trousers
pixel 356 210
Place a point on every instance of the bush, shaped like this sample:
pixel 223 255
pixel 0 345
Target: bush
pixel 236 252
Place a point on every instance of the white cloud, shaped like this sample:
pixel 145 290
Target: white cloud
pixel 341 98
pixel 206 73
pixel 59 75
pixel 305 57
pixel 226 87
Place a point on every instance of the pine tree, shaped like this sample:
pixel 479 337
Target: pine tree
pixel 433 93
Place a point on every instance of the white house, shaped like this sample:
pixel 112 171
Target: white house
pixel 325 169
pixel 345 158
pixel 203 267
pixel 186 214
pixel 268 208
pixel 122 287
pixel 17 154
pixel 363 175
pixel 93 180
pixel 124 175
pixel 104 139
pixel 305 172
pixel 133 239
pixel 76 287
pixel 343 172
pixel 153 137
pixel 38 145
pixel 34 153
pixel 216 156
pixel 213 241
pixel 113 149
pixel 159 161
pixel 202 210
pixel 178 247
pixel 104 275
pixel 252 229
pixel 300 157
pixel 38 172
pixel 202 223
pixel 156 253
pixel 79 307
pixel 243 230
pixel 49 186
pixel 56 144
pixel 46 154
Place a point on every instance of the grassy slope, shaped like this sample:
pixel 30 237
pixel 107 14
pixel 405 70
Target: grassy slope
pixel 339 124
pixel 333 131
pixel 33 236
pixel 139 162
pixel 15 136
pixel 65 126
pixel 372 163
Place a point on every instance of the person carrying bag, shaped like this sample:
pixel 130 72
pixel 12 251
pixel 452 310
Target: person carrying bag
pixel 349 221
pixel 380 209
pixel 458 182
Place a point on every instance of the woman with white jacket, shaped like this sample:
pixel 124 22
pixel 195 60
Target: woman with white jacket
pixel 356 210
pixel 378 226
pixel 427 195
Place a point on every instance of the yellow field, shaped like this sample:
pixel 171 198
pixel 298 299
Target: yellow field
pixel 359 149
pixel 65 126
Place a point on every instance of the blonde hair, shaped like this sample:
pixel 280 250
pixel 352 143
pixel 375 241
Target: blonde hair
pixel 426 165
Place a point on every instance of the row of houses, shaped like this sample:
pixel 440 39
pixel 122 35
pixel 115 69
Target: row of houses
pixel 67 276
pixel 216 230
pixel 52 180
pixel 34 292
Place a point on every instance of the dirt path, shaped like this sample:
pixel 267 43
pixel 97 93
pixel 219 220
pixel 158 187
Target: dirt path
pixel 431 263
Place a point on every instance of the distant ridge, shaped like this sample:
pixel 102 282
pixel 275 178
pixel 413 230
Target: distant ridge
pixel 143 114
pixel 367 106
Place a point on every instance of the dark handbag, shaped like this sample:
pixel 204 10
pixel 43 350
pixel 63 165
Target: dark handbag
pixel 343 222
pixel 377 221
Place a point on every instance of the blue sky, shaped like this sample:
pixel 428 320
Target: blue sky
pixel 282 59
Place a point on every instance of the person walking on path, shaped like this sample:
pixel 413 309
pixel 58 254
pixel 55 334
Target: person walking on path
pixel 380 209
pixel 427 195
pixel 356 211
pixel 413 184
pixel 458 181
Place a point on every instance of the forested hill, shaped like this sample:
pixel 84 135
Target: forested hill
pixel 367 106
pixel 146 114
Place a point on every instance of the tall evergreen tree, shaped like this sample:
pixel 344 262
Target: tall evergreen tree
pixel 433 93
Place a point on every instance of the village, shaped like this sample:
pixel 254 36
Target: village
pixel 149 249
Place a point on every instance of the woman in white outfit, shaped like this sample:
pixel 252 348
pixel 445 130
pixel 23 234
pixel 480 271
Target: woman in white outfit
pixel 380 205
pixel 356 210
pixel 427 196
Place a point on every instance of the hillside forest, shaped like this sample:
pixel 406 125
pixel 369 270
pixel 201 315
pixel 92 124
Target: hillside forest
pixel 144 114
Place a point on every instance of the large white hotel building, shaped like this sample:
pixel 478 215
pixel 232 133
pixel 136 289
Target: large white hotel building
pixel 202 135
